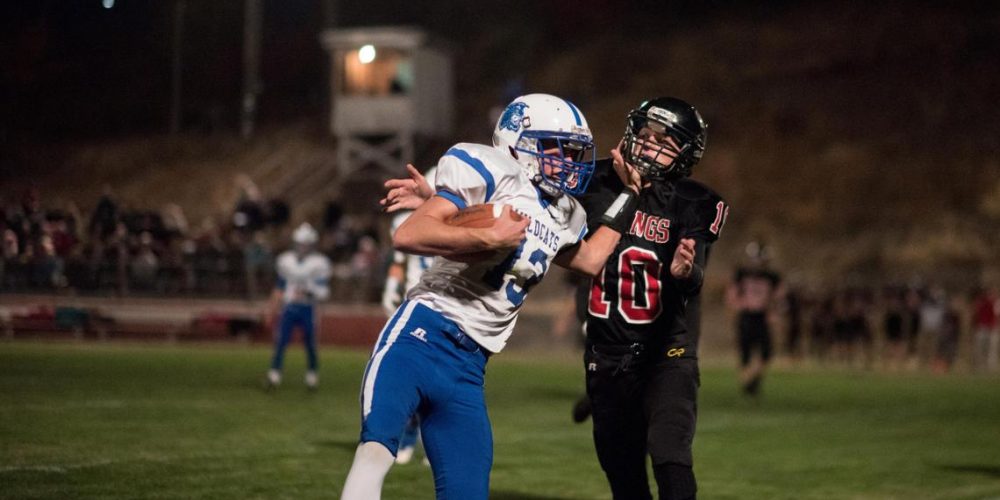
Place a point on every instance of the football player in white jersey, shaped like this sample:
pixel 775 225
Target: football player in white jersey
pixel 303 280
pixel 431 356
pixel 403 274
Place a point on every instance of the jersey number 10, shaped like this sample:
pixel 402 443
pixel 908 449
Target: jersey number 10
pixel 636 266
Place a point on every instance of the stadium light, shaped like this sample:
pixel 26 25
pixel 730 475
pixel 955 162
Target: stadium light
pixel 366 54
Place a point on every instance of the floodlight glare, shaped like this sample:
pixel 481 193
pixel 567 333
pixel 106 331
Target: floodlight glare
pixel 366 54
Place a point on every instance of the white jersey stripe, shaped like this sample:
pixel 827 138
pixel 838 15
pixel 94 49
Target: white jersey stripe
pixel 388 326
pixel 369 389
pixel 378 342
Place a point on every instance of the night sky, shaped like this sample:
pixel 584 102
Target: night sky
pixel 73 69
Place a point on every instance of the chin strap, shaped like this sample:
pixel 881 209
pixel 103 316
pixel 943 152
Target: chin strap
pixel 545 187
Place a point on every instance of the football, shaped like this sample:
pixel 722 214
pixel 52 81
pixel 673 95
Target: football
pixel 477 216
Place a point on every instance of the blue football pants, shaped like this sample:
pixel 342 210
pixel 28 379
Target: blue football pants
pixel 423 363
pixel 301 316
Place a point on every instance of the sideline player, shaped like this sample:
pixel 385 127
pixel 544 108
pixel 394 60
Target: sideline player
pixel 753 291
pixel 642 335
pixel 431 356
pixel 303 280
pixel 403 274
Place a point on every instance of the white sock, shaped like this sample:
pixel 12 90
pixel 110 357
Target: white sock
pixel 404 455
pixel 372 461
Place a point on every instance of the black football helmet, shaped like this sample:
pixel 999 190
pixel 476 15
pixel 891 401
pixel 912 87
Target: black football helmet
pixel 646 146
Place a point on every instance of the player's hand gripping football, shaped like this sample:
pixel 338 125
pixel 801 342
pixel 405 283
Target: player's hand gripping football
pixel 406 194
pixel 626 172
pixel 507 230
pixel 683 262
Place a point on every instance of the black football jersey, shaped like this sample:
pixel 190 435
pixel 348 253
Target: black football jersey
pixel 635 298
pixel 755 288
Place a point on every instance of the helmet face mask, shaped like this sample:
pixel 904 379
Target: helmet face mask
pixel 564 162
pixel 550 139
pixel 664 138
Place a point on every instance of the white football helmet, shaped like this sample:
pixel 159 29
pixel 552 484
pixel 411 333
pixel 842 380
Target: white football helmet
pixel 534 123
pixel 305 235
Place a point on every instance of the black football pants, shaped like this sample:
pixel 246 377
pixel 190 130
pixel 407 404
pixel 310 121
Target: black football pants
pixel 645 404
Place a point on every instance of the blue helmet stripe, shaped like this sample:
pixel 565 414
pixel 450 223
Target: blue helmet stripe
pixel 478 166
pixel 576 113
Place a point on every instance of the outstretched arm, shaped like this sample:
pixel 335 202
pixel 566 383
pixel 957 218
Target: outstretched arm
pixel 406 194
pixel 589 256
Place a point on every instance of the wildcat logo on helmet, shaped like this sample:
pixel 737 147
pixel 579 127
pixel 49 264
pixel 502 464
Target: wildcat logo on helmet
pixel 512 116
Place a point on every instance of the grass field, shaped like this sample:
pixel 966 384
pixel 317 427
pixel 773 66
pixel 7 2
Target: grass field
pixel 145 421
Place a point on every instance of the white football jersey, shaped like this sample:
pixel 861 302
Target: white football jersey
pixel 485 297
pixel 303 280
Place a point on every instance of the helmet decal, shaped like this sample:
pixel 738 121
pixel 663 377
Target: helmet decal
pixel 663 115
pixel 512 116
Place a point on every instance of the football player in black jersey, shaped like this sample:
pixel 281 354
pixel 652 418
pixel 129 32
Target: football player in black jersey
pixel 754 290
pixel 641 359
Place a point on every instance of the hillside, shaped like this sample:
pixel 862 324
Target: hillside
pixel 859 141
pixel 197 172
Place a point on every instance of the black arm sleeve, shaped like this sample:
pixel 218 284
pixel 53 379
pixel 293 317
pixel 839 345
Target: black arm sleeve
pixel 692 284
pixel 703 218
pixel 603 190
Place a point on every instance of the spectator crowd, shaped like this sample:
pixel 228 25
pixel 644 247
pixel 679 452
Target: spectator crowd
pixel 126 250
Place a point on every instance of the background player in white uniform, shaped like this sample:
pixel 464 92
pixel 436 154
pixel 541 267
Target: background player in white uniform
pixel 403 274
pixel 431 356
pixel 303 279
pixel 405 270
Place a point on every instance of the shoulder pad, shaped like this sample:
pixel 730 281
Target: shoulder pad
pixel 704 211
pixel 692 190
